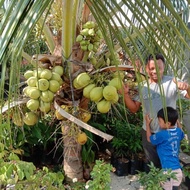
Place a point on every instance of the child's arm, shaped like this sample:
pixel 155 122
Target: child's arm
pixel 148 132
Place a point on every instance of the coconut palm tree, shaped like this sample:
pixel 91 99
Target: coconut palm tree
pixel 132 29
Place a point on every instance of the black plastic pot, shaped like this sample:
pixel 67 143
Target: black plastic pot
pixel 133 166
pixel 187 182
pixel 113 161
pixel 136 164
pixel 121 166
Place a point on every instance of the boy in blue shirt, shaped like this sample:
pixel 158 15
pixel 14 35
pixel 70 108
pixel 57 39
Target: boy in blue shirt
pixel 167 142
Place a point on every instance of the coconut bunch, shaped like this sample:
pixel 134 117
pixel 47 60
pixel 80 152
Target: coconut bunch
pixel 89 37
pixel 79 136
pixel 112 60
pixel 42 84
pixel 104 93
pixel 105 60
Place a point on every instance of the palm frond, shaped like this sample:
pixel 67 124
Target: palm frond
pixel 17 23
pixel 158 25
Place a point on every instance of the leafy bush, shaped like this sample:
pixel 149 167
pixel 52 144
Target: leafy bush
pixel 155 177
pixel 100 176
pixel 186 170
pixel 24 175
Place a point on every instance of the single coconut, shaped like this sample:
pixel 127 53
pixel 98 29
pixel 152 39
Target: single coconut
pixel 42 84
pixel 104 106
pixel 30 118
pixel 96 94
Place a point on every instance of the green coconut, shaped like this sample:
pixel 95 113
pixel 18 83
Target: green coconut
pixel 33 104
pixel 75 84
pixel 96 94
pixel 104 106
pixel 119 74
pixel 28 74
pixel 33 92
pixel 30 118
pixel 83 79
pixel 116 82
pixel 47 96
pixel 87 90
pixel 109 92
pixel 115 100
pixel 45 106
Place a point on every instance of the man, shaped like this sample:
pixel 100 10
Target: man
pixel 157 92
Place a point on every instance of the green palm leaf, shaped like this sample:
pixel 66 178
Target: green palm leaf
pixel 138 28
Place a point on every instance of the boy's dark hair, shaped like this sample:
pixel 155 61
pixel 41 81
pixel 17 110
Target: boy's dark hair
pixel 157 57
pixel 172 115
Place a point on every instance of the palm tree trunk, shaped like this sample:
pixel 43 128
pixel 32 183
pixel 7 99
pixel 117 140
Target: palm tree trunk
pixel 72 162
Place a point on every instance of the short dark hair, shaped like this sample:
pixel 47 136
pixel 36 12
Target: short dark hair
pixel 156 56
pixel 172 115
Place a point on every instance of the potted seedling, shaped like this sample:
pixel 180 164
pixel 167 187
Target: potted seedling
pixel 186 172
pixel 119 159
pixel 135 150
pixel 119 143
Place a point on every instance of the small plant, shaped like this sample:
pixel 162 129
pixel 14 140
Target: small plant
pixel 48 180
pixel 77 185
pixel 120 147
pixel 155 177
pixel 120 140
pixel 186 170
pixel 127 139
pixel 100 176
pixel 185 146
pixel 134 140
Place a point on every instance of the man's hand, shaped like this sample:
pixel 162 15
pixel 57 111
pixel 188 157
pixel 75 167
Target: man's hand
pixel 124 90
pixel 148 120
pixel 183 86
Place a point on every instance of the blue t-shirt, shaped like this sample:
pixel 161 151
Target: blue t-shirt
pixel 168 144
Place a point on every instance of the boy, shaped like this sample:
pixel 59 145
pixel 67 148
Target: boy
pixel 167 143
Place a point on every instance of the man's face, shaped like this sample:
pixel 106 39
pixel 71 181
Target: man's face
pixel 155 70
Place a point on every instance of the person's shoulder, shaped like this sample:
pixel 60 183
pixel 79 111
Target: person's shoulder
pixel 159 134
pixel 179 129
pixel 161 131
pixel 143 83
pixel 167 78
pixel 162 134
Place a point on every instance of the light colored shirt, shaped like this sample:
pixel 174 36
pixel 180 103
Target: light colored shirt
pixel 155 96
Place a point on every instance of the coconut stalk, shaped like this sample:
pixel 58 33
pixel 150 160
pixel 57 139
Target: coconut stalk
pixel 67 28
